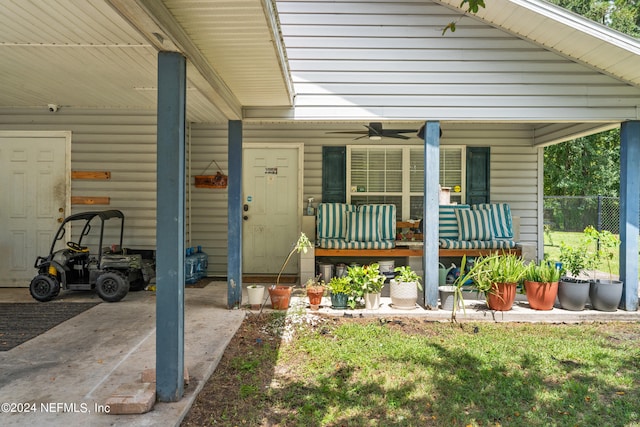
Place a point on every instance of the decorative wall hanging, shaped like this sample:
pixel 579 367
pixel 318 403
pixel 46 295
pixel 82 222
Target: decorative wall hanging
pixel 219 180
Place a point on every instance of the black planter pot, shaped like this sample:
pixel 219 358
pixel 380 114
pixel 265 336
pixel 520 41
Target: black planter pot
pixel 573 293
pixel 605 295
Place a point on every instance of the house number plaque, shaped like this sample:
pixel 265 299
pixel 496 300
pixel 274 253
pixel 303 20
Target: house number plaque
pixel 271 171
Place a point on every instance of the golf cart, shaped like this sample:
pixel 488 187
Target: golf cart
pixel 112 271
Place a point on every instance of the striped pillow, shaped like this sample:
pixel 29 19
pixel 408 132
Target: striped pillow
pixel 387 217
pixel 501 222
pixel 363 227
pixel 332 220
pixel 474 224
pixel 448 223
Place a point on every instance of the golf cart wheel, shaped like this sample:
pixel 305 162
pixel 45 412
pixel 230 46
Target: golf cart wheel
pixel 112 286
pixel 44 287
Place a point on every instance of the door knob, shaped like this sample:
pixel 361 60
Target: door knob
pixel 60 219
pixel 245 217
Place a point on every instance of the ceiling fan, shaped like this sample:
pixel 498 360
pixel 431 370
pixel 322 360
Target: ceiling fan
pixel 375 132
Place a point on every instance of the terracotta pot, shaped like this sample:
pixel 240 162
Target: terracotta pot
pixel 541 295
pixel 280 296
pixel 502 296
pixel 315 297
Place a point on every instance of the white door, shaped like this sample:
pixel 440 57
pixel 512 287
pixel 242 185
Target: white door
pixel 34 198
pixel 271 204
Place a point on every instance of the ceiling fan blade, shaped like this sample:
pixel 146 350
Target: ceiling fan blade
pixel 395 131
pixel 397 136
pixel 353 132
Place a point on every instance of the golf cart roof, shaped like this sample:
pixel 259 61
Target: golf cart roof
pixel 88 216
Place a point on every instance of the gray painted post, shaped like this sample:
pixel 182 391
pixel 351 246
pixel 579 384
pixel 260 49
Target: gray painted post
pixel 431 207
pixel 234 209
pixel 629 211
pixel 170 233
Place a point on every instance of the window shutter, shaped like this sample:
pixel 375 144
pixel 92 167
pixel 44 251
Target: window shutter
pixel 334 174
pixel 478 161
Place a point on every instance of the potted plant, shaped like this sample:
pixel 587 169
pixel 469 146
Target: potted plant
pixel 541 284
pixel 315 291
pixel 451 296
pixel 404 288
pixel 605 294
pixel 255 293
pixel 573 289
pixel 497 276
pixel 280 295
pixel 366 282
pixel 340 289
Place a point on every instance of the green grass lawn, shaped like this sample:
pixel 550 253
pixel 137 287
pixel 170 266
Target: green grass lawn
pixel 553 239
pixel 415 372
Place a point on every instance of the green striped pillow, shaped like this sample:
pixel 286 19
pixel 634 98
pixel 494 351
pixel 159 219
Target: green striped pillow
pixel 447 221
pixel 501 222
pixel 474 224
pixel 387 218
pixel 363 226
pixel 332 220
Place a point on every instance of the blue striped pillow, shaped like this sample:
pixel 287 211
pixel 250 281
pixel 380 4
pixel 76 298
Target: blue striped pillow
pixel 447 221
pixel 501 222
pixel 332 220
pixel 363 226
pixel 474 224
pixel 387 218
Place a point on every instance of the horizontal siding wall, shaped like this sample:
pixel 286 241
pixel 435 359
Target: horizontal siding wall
pixel 514 165
pixel 390 59
pixel 122 142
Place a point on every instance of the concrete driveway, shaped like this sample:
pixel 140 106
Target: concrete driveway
pixel 74 367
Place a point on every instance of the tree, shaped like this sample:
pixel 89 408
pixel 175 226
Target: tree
pixel 584 166
pixel 591 165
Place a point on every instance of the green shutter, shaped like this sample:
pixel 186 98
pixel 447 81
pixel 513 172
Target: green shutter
pixel 478 160
pixel 334 174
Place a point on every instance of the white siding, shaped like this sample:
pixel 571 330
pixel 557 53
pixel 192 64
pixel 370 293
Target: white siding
pixel 393 62
pixel 121 142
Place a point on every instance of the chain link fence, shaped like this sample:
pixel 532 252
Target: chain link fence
pixel 574 213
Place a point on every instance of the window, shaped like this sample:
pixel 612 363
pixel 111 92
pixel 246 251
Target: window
pixel 396 175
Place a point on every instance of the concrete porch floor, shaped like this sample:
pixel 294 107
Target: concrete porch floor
pixel 85 359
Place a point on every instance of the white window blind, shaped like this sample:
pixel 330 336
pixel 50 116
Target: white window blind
pixel 396 175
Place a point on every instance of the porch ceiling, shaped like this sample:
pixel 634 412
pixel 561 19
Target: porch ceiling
pixel 102 54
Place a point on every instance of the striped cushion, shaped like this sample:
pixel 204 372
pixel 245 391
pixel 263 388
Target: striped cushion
pixel 387 216
pixel 332 220
pixel 476 244
pixel 343 244
pixel 502 225
pixel 448 223
pixel 363 226
pixel 474 224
